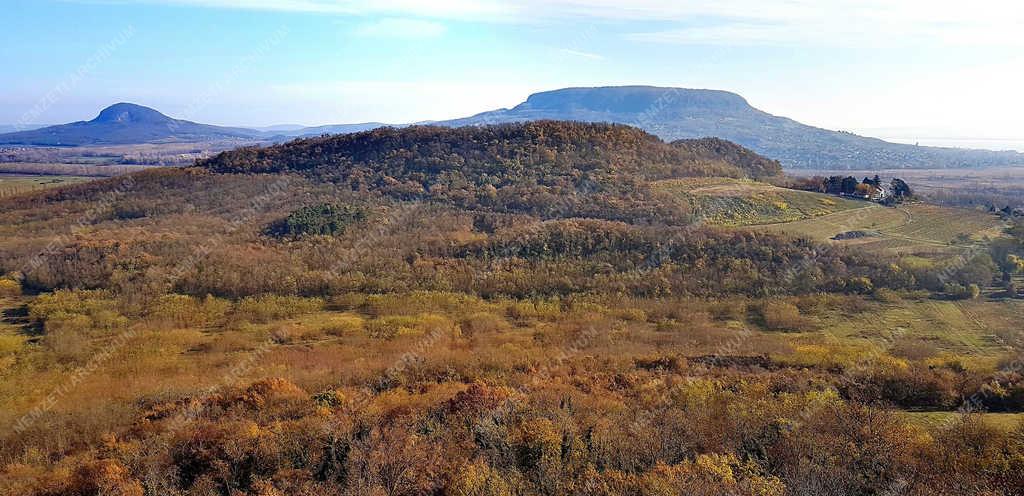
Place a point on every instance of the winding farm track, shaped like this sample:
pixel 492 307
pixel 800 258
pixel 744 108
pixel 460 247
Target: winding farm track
pixel 918 229
pixel 909 221
pixel 821 219
pixel 841 221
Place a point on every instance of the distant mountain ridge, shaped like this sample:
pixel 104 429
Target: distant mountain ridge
pixel 126 124
pixel 13 128
pixel 679 113
pixel 129 124
pixel 334 129
pixel 670 113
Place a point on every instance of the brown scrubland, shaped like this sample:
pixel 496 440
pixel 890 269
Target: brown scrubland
pixel 505 310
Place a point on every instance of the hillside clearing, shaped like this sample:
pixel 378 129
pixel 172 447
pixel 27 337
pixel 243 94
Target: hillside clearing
pixel 927 231
pixel 740 202
pixel 13 184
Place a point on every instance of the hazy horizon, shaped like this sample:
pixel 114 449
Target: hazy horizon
pixel 950 73
pixel 923 137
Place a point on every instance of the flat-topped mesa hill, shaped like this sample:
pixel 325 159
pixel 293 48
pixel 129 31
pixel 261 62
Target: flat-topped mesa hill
pixel 679 113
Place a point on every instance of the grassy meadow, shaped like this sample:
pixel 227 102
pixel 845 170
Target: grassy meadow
pixel 915 230
pixel 14 184
pixel 735 202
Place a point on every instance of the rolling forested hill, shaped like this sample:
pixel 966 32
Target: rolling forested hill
pixel 548 168
pixel 532 149
pixel 493 186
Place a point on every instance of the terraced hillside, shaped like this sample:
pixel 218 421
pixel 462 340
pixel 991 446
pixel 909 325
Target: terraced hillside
pixel 921 230
pixel 740 202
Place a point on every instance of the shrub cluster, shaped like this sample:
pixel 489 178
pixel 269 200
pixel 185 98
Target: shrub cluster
pixel 325 219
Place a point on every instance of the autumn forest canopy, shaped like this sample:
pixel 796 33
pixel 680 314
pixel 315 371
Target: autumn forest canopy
pixel 545 307
pixel 537 209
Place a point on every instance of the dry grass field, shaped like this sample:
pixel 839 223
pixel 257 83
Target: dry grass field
pixel 611 358
pixel 13 184
pixel 737 202
pixel 920 230
pixel 64 169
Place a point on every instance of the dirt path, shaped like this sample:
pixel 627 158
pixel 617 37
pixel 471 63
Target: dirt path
pixel 820 218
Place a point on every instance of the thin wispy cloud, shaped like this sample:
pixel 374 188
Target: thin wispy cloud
pixel 720 22
pixel 432 99
pixel 401 29
pixel 581 54
pixel 738 34
pixel 848 64
pixel 849 28
pixel 439 9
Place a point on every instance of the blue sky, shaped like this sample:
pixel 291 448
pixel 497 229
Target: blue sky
pixel 911 69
